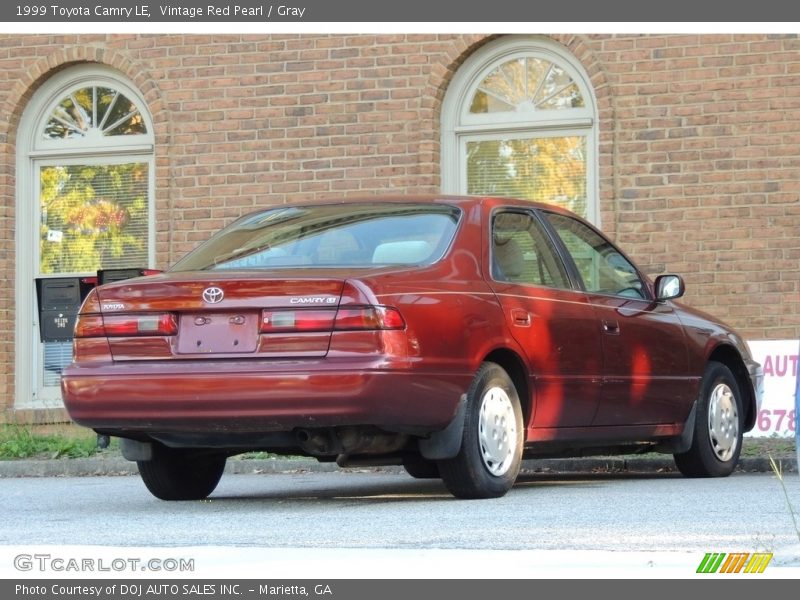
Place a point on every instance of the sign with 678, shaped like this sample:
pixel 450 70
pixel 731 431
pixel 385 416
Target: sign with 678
pixel 780 361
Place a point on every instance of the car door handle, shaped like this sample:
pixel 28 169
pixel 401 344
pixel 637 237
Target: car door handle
pixel 611 327
pixel 521 318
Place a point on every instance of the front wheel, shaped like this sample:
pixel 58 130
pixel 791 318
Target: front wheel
pixel 177 474
pixel 489 459
pixel 718 428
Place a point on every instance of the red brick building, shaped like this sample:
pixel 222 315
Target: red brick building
pixel 127 150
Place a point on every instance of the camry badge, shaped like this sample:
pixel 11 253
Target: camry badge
pixel 213 295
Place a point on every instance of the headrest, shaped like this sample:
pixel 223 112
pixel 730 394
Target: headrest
pixel 407 252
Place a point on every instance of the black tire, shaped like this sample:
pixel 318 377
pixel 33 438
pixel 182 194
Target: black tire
pixel 175 474
pixel 718 431
pixel 474 473
pixel 421 468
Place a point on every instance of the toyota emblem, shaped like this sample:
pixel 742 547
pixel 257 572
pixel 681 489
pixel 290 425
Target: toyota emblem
pixel 213 295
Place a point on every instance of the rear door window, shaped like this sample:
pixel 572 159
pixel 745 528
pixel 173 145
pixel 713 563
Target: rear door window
pixel 523 253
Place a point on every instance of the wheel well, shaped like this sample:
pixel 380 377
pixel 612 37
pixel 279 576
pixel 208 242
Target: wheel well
pixel 513 365
pixel 729 356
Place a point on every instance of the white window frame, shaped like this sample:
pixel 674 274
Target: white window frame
pixel 460 126
pixel 34 152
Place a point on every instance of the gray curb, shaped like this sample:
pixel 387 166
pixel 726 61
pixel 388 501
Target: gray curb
pixel 115 465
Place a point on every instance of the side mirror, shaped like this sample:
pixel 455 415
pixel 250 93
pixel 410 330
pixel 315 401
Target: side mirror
pixel 669 287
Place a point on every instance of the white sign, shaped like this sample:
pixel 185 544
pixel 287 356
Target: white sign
pixel 779 359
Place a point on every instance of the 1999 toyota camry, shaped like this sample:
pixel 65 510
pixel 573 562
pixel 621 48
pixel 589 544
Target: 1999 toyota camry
pixel 454 336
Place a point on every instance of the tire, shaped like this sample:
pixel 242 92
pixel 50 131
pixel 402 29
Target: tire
pixel 421 468
pixel 718 427
pixel 489 459
pixel 175 474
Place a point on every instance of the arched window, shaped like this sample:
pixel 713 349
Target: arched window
pixel 519 120
pixel 84 201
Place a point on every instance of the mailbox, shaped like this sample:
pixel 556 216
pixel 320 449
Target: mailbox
pixel 112 275
pixel 60 298
pixel 59 301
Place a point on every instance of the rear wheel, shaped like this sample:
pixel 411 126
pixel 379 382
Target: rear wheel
pixel 421 468
pixel 488 462
pixel 178 474
pixel 718 432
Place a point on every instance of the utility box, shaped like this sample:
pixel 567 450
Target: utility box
pixel 112 275
pixel 59 301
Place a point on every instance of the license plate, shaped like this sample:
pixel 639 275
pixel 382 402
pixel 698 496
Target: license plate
pixel 218 333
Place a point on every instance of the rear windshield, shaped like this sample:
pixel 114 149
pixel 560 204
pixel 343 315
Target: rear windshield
pixel 342 235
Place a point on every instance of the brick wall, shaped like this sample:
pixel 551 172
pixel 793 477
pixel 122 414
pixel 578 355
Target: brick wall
pixel 708 169
pixel 699 143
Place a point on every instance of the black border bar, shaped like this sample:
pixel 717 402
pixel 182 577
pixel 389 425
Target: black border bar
pixel 407 11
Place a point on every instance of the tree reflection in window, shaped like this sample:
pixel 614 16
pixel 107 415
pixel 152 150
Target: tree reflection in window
pixel 93 216
pixel 94 112
pixel 525 85
pixel 543 169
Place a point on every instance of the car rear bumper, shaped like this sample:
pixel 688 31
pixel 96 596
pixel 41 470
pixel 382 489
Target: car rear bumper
pixel 240 397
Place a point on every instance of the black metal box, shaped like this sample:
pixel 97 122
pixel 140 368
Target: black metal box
pixel 59 301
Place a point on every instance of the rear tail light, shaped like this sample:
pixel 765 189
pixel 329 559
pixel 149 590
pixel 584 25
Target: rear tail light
pixel 344 319
pixel 369 317
pixel 279 321
pixel 93 325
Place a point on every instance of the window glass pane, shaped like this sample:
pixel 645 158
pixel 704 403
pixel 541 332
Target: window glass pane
pixel 105 98
pixel 551 170
pixel 537 71
pixel 93 216
pixel 64 122
pixel 568 97
pixel 123 118
pixel 83 100
pixel 57 355
pixel 507 82
pixel 483 102
pixel 603 269
pixel 556 79
pixel 522 252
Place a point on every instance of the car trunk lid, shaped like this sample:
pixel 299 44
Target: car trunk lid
pixel 219 316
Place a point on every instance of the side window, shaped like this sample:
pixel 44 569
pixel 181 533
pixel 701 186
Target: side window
pixel 522 252
pixel 603 269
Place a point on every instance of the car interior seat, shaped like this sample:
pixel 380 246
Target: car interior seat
pixel 508 260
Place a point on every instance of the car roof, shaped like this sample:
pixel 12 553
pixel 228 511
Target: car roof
pixel 462 201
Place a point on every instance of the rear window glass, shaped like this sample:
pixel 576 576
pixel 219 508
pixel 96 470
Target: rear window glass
pixel 341 235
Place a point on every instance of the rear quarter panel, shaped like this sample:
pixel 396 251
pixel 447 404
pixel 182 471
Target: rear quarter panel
pixel 453 318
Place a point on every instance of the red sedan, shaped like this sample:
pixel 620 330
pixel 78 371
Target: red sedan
pixel 455 336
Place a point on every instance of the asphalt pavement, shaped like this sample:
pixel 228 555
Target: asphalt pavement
pixel 114 464
pixel 607 517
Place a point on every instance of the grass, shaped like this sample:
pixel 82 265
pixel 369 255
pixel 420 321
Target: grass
pixel 22 441
pixel 779 447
